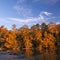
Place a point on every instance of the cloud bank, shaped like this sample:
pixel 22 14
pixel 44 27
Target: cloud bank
pixel 42 17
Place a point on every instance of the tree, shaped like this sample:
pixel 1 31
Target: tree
pixel 14 28
pixel 44 26
pixel 3 34
pixel 52 27
pixel 11 42
pixel 27 42
pixel 35 27
pixel 49 41
pixel 37 39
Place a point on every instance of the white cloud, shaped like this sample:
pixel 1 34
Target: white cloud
pixel 33 20
pixel 41 18
pixel 3 20
pixel 22 9
pixel 46 13
pixel 44 16
pixel 19 20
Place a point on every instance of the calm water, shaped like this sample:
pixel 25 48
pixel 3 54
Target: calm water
pixel 5 56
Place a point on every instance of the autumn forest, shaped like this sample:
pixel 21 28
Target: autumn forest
pixel 38 38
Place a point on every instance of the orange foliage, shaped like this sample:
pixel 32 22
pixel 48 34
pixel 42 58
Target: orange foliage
pixel 40 38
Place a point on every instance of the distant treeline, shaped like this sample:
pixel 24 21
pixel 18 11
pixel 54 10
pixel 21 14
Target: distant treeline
pixel 42 38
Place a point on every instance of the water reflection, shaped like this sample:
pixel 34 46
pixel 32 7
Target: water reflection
pixel 32 55
pixel 45 57
pixel 28 52
pixel 39 57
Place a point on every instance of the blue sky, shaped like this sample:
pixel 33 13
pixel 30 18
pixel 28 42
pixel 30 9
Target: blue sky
pixel 28 12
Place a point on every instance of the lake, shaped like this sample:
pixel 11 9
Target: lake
pixel 6 56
